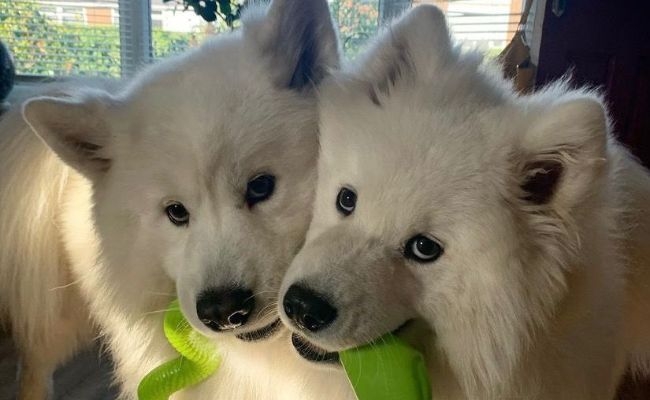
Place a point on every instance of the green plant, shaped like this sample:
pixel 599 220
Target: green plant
pixel 228 10
pixel 168 43
pixel 42 46
pixel 357 21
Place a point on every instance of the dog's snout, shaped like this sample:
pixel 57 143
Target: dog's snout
pixel 308 309
pixel 225 308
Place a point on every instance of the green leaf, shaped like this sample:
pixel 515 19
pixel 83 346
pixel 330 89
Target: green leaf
pixel 224 6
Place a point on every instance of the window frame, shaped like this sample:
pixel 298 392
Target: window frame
pixel 136 45
pixel 136 38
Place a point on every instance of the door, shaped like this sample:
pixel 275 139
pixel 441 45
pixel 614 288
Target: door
pixel 607 43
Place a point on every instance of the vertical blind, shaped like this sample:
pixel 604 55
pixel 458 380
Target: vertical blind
pixel 115 37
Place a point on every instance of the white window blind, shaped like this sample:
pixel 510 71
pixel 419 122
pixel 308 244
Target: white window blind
pixel 485 25
pixel 115 37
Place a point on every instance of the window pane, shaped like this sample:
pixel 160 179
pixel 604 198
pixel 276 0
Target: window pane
pixel 357 21
pixel 62 37
pixel 175 29
pixel 484 25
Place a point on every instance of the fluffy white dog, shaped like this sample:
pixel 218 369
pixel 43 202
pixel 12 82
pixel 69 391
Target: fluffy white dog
pixel 507 236
pixel 194 180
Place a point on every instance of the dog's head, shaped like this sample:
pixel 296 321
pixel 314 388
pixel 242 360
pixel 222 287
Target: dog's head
pixel 441 198
pixel 203 169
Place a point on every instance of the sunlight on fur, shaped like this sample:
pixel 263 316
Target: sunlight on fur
pixel 541 288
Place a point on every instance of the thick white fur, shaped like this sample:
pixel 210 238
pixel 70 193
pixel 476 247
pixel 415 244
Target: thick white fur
pixel 38 298
pixel 528 301
pixel 83 225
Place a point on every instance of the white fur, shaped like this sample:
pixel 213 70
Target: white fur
pixel 83 225
pixel 530 300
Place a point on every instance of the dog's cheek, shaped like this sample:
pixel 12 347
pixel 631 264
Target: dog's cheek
pixel 373 301
pixel 435 288
pixel 173 263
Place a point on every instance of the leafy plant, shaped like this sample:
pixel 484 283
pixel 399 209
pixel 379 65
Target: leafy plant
pixel 357 21
pixel 228 10
pixel 42 46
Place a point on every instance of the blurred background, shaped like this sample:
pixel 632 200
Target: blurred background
pixel 112 38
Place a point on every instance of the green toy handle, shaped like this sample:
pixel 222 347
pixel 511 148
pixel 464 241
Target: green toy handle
pixel 198 359
pixel 388 369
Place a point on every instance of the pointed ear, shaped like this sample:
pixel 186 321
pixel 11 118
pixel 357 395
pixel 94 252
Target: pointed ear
pixel 564 154
pixel 299 40
pixel 75 128
pixel 415 44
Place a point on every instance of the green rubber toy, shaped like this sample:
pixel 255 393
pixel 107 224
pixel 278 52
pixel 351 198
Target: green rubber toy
pixel 388 369
pixel 199 358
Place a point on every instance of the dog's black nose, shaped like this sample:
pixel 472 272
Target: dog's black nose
pixel 224 308
pixel 308 309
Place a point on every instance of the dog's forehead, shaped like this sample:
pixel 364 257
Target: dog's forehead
pixel 409 138
pixel 407 158
pixel 226 122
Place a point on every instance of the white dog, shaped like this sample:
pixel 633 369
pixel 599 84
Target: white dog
pixel 508 237
pixel 195 180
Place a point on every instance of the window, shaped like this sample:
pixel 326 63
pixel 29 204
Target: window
pixel 114 37
pixel 62 37
pixel 486 25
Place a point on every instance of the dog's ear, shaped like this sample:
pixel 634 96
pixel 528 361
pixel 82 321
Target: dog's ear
pixel 299 40
pixel 414 45
pixel 564 154
pixel 76 128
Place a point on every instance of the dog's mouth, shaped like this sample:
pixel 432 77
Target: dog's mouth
pixel 262 333
pixel 313 353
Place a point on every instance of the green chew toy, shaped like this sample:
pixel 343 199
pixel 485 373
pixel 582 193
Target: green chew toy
pixel 389 369
pixel 198 359
pixel 386 370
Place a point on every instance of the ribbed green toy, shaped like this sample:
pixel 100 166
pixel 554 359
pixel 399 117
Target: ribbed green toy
pixel 386 370
pixel 199 358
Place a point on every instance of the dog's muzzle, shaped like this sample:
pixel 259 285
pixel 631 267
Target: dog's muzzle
pixel 307 309
pixel 222 309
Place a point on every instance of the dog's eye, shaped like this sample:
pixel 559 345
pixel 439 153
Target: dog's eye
pixel 346 201
pixel 422 249
pixel 259 189
pixel 178 214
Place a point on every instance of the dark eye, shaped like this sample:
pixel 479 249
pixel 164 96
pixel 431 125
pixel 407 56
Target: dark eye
pixel 178 214
pixel 259 189
pixel 346 201
pixel 422 249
